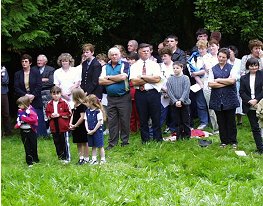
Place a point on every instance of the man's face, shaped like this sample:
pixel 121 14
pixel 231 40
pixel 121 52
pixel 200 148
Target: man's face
pixel 144 53
pixel 202 37
pixel 131 47
pixel 115 57
pixel 41 62
pixel 172 43
pixel 87 54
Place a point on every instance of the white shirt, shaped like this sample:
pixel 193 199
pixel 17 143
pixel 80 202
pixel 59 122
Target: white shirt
pixel 66 79
pixel 236 67
pixel 152 69
pixel 55 106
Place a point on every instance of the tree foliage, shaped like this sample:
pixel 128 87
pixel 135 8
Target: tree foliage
pixel 244 17
pixel 18 25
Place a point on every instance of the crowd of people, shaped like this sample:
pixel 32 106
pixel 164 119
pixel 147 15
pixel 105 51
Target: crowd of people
pixel 123 92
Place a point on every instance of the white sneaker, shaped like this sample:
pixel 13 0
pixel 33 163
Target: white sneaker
pixel 65 162
pixel 201 127
pixel 106 132
pixel 102 162
pixel 94 162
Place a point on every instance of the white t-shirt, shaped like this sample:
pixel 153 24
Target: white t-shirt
pixel 55 106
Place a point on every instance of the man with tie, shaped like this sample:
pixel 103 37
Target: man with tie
pixel 91 70
pixel 114 77
pixel 146 76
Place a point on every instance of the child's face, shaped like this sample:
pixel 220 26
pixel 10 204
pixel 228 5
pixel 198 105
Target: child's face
pixel 87 104
pixel 178 70
pixel 131 61
pixel 21 106
pixel 55 96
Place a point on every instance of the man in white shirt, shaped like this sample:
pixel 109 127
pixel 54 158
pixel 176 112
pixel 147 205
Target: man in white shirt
pixel 145 76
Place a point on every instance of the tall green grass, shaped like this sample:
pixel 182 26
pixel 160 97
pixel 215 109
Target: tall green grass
pixel 168 173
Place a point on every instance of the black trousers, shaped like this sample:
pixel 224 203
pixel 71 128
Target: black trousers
pixel 148 104
pixel 182 114
pixel 5 117
pixel 60 141
pixel 253 120
pixel 227 126
pixel 29 139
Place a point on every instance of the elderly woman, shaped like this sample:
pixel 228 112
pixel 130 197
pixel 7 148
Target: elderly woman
pixel 255 46
pixel 28 82
pixel 67 77
pixel 251 92
pixel 224 99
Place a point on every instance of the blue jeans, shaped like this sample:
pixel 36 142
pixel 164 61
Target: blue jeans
pixel 41 129
pixel 201 107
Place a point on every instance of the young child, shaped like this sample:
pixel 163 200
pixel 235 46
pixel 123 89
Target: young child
pixel 27 121
pixel 93 122
pixel 178 89
pixel 58 112
pixel 77 126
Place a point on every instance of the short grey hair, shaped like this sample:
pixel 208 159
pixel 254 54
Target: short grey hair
pixel 113 50
pixel 43 56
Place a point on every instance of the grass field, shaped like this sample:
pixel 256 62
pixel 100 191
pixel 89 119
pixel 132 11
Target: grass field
pixel 168 173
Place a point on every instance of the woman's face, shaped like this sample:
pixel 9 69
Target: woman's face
pixel 166 58
pixel 232 54
pixel 213 49
pixel 222 58
pixel 253 68
pixel 25 63
pixel 65 63
pixel 256 51
pixel 202 51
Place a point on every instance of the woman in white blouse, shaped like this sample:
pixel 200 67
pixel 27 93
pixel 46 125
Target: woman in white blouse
pixel 66 77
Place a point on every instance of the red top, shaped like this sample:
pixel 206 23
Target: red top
pixel 64 112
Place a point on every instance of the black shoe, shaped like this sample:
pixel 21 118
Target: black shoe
pixel 124 144
pixel 260 152
pixel 80 162
pixel 204 143
pixel 36 161
pixel 109 147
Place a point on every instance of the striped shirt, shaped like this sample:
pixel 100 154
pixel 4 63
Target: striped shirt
pixel 178 89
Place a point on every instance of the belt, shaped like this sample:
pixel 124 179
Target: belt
pixel 144 91
pixel 118 95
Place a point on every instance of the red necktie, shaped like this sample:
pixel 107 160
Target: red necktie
pixel 143 73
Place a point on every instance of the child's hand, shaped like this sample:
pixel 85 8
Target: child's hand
pixel 53 115
pixel 178 104
pixel 72 127
pixel 91 132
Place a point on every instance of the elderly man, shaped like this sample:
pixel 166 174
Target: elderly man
pixel 114 77
pixel 47 78
pixel 132 46
pixel 146 76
